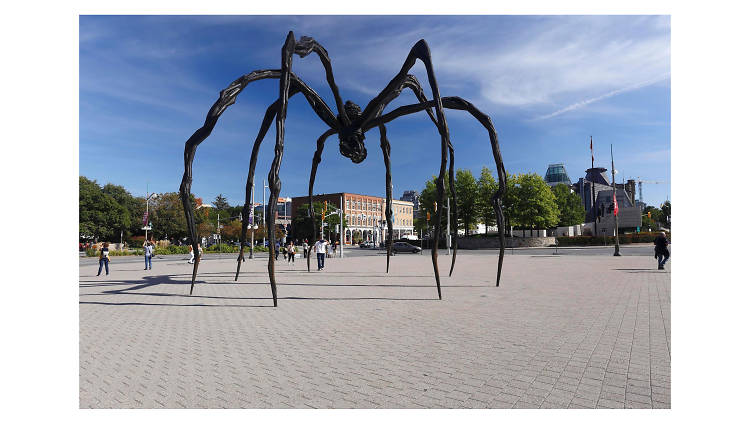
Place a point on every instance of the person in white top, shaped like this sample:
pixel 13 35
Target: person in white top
pixel 320 249
pixel 148 251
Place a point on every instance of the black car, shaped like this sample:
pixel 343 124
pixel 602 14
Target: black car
pixel 405 247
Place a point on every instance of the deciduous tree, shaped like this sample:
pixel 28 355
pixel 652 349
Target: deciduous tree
pixel 569 204
pixel 536 206
pixel 99 214
pixel 467 195
pixel 487 187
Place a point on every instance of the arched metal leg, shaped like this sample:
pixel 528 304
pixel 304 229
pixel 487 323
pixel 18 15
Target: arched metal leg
pixel 386 147
pixel 267 119
pixel 313 171
pixel 458 103
pixel 274 182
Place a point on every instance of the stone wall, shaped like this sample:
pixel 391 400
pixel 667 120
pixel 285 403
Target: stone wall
pixel 494 242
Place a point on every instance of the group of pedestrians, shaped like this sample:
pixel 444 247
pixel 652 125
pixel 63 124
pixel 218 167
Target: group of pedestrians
pixel 323 248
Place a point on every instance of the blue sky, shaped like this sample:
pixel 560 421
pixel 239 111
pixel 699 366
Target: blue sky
pixel 548 83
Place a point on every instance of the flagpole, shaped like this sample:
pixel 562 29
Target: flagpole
pixel 616 209
pixel 593 194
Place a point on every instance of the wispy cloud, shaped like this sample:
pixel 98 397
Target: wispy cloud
pixel 588 101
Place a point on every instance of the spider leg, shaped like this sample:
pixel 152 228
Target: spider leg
pixel 458 103
pixel 305 46
pixel 420 51
pixel 386 147
pixel 274 182
pixel 267 119
pixel 313 171
pixel 226 98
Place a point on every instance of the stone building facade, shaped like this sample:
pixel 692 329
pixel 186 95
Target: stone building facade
pixel 364 215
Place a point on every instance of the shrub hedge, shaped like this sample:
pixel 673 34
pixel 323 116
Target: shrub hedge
pixel 610 240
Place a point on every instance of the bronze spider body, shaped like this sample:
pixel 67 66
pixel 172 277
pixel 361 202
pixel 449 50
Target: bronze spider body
pixel 350 124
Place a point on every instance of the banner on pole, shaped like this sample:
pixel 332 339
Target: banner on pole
pixel 614 198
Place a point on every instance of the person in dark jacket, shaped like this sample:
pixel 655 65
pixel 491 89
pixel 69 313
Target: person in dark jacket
pixel 661 252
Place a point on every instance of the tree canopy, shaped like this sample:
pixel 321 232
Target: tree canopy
pixel 302 226
pixel 221 203
pixel 535 205
pixel 100 215
pixel 467 196
pixel 487 186
pixel 427 200
pixel 569 204
pixel 106 211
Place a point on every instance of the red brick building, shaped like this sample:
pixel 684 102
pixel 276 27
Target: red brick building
pixel 364 215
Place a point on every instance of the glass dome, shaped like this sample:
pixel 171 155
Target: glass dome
pixel 556 174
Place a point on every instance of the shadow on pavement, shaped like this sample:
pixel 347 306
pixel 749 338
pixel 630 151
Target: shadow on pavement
pixel 176 304
pixel 133 287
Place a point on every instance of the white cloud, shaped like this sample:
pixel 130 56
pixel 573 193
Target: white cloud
pixel 588 101
pixel 539 65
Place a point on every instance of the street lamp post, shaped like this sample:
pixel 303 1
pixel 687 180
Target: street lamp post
pixel 448 231
pixel 253 226
pixel 614 197
pixel 341 227
pixel 265 226
pixel 146 222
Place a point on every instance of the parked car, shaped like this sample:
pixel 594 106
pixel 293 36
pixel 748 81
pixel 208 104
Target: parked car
pixel 366 244
pixel 405 247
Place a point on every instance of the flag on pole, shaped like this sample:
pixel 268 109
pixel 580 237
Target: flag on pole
pixel 145 217
pixel 614 198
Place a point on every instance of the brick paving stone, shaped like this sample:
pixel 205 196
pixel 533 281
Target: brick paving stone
pixel 576 332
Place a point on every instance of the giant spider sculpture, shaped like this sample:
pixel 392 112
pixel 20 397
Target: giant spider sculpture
pixel 351 123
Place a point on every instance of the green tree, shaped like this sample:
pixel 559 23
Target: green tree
pixel 420 223
pixel 99 215
pixel 168 216
pixel 427 199
pixel 536 207
pixel 510 200
pixel 302 226
pixel 651 223
pixel 221 203
pixel 487 187
pixel 467 193
pixel 666 214
pixel 134 206
pixel 569 204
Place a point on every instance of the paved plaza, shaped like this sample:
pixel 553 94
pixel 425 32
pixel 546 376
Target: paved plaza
pixel 560 332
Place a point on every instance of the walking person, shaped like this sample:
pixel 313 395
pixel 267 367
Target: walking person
pixel 278 247
pixel 291 250
pixel 320 250
pixel 103 259
pixel 661 252
pixel 148 251
pixel 304 249
pixel 192 255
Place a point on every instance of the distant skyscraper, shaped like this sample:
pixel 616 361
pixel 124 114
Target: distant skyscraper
pixel 413 197
pixel 556 175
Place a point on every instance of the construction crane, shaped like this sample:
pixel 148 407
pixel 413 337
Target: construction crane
pixel 640 187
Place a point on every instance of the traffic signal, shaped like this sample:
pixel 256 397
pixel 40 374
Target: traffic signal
pixel 649 214
pixel 428 216
pixel 435 206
